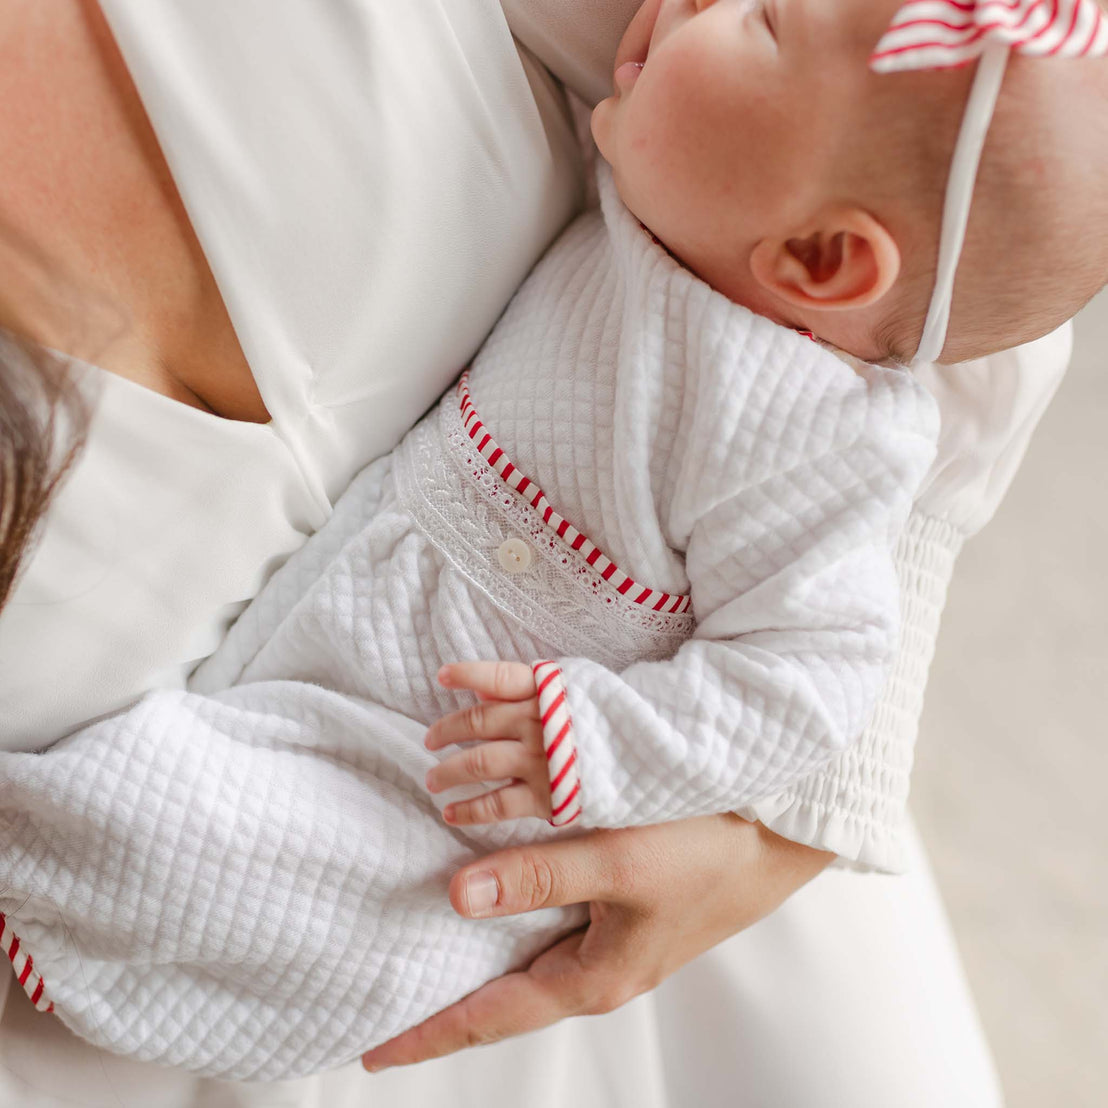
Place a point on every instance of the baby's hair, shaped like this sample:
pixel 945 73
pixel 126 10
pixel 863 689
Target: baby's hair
pixel 1036 251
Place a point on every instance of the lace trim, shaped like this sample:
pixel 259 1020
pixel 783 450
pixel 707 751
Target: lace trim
pixel 526 488
pixel 564 606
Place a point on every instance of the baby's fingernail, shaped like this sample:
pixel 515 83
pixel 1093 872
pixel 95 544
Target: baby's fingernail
pixel 482 891
pixel 444 675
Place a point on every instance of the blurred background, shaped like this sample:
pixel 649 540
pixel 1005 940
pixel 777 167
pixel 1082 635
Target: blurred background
pixel 1011 785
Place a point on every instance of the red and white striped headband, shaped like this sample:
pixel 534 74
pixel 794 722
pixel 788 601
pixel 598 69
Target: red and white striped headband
pixel 943 34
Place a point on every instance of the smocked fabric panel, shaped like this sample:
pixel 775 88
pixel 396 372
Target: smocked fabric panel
pixel 857 806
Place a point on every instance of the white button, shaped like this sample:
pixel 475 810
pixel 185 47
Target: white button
pixel 514 556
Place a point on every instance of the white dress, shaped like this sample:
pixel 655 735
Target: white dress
pixel 751 486
pixel 189 68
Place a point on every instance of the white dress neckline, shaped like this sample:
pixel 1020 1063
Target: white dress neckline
pixel 356 295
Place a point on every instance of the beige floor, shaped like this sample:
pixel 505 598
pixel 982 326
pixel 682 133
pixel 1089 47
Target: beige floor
pixel 1013 762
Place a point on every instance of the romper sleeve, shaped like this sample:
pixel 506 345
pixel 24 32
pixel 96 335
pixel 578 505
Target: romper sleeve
pixel 795 594
pixel 856 805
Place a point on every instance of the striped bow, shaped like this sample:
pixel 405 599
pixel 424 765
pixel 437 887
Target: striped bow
pixel 942 34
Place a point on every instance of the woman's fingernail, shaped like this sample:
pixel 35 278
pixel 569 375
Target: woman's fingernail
pixel 482 891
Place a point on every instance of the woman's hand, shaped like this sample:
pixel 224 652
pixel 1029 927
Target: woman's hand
pixel 658 896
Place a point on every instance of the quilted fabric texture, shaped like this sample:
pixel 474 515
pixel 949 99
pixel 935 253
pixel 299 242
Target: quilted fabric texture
pixel 249 880
pixel 856 807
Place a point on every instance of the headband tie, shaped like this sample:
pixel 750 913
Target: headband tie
pixel 945 34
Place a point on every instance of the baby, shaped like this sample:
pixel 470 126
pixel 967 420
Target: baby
pixel 662 505
pixel 752 139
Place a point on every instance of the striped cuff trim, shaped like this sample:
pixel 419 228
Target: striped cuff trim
pixel 523 486
pixel 24 966
pixel 558 741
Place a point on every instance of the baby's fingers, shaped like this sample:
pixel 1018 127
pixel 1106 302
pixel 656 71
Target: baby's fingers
pixel 488 720
pixel 490 680
pixel 510 802
pixel 493 761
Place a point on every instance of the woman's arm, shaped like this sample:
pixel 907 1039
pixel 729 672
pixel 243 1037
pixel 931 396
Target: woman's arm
pixel 638 884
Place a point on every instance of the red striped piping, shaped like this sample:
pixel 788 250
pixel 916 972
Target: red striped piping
pixel 533 495
pixel 559 744
pixel 24 966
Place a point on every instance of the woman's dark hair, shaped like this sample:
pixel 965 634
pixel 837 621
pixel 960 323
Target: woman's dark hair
pixel 44 418
pixel 44 407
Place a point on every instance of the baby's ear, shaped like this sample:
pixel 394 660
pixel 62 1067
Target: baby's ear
pixel 842 259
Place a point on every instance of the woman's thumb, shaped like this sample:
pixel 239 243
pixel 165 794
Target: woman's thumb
pixel 524 879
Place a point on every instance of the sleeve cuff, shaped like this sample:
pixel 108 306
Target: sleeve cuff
pixel 856 807
pixel 559 744
pixel 860 844
pixel 24 966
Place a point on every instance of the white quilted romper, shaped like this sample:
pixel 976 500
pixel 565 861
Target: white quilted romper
pixel 689 510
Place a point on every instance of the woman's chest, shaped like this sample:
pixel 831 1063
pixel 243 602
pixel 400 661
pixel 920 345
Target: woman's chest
pixel 340 199
pixel 106 265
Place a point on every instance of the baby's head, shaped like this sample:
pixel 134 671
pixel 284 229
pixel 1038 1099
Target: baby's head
pixel 759 146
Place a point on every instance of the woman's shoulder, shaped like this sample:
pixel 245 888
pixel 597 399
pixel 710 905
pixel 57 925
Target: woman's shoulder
pixel 575 39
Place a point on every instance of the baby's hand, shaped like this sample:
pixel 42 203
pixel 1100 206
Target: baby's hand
pixel 508 716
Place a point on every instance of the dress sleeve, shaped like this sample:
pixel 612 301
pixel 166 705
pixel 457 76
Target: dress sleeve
pixel 795 595
pixel 856 806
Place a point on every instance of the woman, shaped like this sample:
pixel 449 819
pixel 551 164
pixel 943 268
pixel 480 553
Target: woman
pixel 348 197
